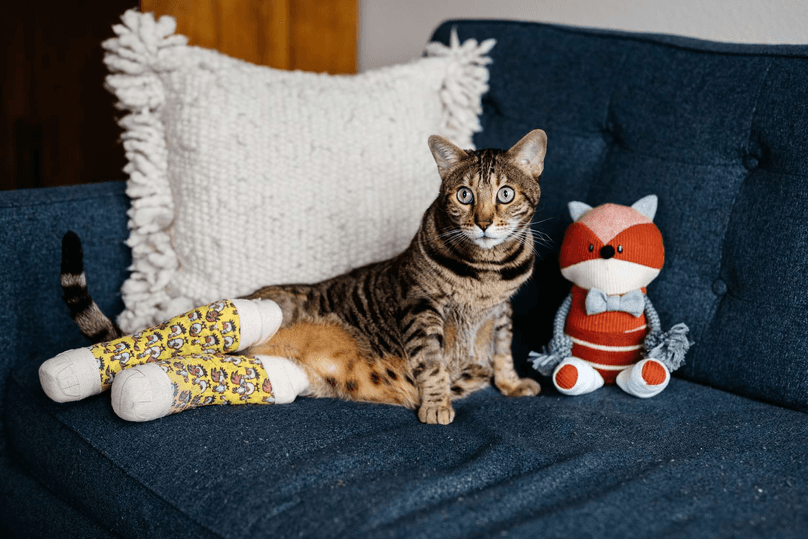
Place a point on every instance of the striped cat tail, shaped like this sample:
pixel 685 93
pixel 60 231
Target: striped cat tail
pixel 83 310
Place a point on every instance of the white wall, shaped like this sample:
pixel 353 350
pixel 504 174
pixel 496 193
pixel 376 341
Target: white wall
pixel 394 31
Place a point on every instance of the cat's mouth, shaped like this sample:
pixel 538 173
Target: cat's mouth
pixel 487 241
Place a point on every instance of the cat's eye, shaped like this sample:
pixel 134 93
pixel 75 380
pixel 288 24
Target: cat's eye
pixel 465 196
pixel 591 247
pixel 505 195
pixel 619 248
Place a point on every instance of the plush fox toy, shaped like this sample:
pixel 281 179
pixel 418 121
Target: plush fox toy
pixel 607 331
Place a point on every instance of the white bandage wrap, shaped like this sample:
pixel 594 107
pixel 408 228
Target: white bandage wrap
pixel 258 319
pixel 70 376
pixel 288 380
pixel 142 393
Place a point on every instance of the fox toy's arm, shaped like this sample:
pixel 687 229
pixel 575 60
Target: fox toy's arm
pixel 654 325
pixel 560 345
pixel 668 348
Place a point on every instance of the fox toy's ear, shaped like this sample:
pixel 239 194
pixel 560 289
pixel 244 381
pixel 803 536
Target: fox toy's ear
pixel 446 154
pixel 528 153
pixel 577 209
pixel 647 206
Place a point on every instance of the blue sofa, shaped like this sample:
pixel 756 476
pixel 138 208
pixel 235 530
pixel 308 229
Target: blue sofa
pixel 718 131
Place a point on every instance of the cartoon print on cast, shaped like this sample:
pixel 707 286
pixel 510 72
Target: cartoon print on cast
pixel 176 344
pixel 179 368
pixel 228 326
pixel 198 372
pixel 244 388
pixel 220 378
pixel 195 330
pixel 235 360
pixel 266 387
pixel 176 331
pixel 210 343
pixel 122 358
pixel 215 312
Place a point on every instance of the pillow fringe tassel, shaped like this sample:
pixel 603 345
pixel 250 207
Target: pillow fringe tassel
pixel 466 82
pixel 144 47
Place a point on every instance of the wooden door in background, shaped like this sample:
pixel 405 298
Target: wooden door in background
pixel 311 35
pixel 57 122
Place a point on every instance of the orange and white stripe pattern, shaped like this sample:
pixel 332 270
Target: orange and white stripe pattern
pixel 609 341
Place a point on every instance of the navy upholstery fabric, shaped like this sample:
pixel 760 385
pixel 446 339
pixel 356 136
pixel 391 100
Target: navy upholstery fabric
pixel 692 461
pixel 719 133
pixel 714 130
pixel 36 323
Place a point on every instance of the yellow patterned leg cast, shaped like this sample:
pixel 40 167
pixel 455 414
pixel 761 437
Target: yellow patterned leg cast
pixel 226 326
pixel 199 380
pixel 209 329
pixel 154 390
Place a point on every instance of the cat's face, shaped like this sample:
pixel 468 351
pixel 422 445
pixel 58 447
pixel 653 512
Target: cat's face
pixel 489 196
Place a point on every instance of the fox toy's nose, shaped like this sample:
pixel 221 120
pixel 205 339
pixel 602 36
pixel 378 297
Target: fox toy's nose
pixel 607 251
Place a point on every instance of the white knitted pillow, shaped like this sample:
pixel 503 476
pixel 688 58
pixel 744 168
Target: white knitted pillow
pixel 243 176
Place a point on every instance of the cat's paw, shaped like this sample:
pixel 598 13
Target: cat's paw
pixel 432 414
pixel 525 387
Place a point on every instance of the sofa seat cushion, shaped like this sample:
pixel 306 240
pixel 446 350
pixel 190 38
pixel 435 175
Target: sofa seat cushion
pixel 693 459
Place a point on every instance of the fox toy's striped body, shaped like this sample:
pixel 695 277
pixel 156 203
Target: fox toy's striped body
pixel 609 341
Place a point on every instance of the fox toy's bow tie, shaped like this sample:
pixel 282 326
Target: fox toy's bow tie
pixel 598 302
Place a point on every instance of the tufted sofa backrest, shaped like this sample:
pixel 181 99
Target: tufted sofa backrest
pixel 720 133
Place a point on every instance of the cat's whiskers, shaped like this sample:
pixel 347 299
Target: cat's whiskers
pixel 541 238
pixel 525 236
pixel 453 237
pixel 540 221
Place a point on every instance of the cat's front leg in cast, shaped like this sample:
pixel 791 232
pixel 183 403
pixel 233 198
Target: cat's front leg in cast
pixel 505 377
pixel 223 327
pixel 154 390
pixel 423 343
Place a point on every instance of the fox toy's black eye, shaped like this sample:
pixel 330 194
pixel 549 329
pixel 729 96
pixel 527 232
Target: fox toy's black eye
pixel 591 247
pixel 619 248
pixel 465 196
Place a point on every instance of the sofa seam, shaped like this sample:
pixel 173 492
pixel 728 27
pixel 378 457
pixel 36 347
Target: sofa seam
pixel 609 144
pixel 100 454
pixel 716 305
pixel 654 38
pixel 58 201
pixel 594 135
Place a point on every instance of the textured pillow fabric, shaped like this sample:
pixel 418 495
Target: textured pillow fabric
pixel 243 176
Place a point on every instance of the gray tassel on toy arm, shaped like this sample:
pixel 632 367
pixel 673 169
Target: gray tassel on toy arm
pixel 669 348
pixel 560 345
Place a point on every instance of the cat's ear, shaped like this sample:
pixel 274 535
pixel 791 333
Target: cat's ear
pixel 647 206
pixel 446 154
pixel 528 153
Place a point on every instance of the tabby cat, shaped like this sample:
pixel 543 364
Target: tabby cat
pixel 426 327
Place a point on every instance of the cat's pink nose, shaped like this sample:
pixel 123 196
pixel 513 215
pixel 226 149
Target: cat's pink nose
pixel 483 224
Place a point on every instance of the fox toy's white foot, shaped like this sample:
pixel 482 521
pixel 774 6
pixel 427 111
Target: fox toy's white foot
pixel 644 379
pixel 576 377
